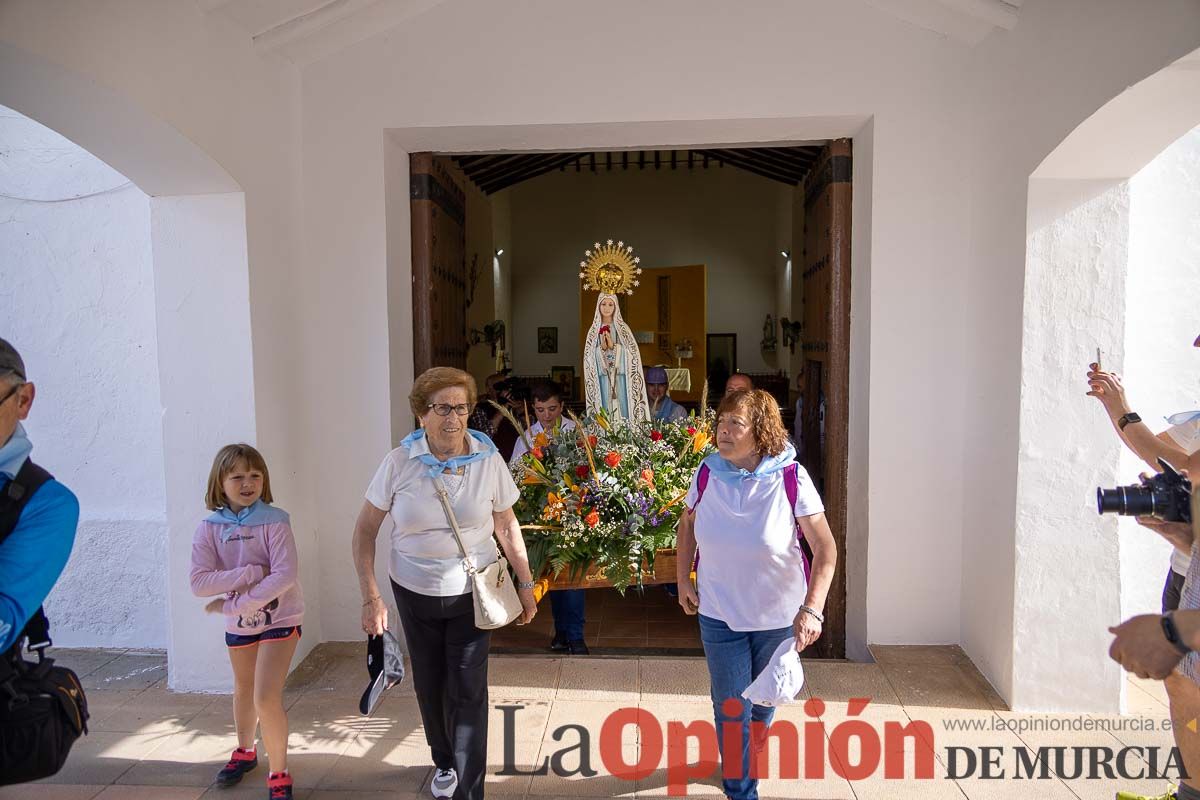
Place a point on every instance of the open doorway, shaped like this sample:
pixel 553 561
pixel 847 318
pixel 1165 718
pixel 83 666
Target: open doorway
pixel 763 234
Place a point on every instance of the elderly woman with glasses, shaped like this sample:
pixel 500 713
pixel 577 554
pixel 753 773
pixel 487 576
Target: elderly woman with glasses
pixel 432 589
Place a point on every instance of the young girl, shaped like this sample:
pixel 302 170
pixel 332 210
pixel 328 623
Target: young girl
pixel 244 552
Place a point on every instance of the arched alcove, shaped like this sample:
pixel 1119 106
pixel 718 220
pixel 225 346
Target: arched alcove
pixel 1076 573
pixel 197 247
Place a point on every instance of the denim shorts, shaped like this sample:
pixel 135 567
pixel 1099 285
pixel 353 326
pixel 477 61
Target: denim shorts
pixel 270 635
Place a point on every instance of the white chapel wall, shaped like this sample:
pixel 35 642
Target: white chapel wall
pixel 722 217
pixel 77 289
pixel 201 112
pixel 955 132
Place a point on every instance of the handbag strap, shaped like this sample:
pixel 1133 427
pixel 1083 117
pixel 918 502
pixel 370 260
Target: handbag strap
pixel 453 520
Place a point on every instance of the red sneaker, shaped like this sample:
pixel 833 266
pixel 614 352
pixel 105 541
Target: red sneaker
pixel 241 762
pixel 279 786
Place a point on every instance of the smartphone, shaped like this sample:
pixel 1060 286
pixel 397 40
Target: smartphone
pixel 1099 367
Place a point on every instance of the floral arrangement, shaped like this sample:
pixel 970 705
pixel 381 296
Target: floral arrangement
pixel 606 496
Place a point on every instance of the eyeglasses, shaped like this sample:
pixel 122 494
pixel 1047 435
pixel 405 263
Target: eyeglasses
pixel 10 393
pixel 444 409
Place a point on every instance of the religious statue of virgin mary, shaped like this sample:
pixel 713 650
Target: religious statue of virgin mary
pixel 612 364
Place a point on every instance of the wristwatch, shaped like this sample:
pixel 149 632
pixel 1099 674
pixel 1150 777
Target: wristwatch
pixel 526 584
pixel 1172 634
pixel 1128 418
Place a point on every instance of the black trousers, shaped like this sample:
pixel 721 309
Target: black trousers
pixel 449 658
pixel 1172 591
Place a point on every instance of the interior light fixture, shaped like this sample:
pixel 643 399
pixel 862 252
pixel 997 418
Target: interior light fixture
pixel 500 252
pixel 785 254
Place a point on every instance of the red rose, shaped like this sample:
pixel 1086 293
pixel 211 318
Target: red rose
pixel 593 518
pixel 691 431
pixel 581 471
pixel 592 441
pixel 537 453
pixel 655 436
pixel 612 459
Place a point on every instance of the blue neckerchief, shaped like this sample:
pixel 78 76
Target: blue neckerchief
pixel 418 448
pixel 14 452
pixel 1183 417
pixel 722 470
pixel 260 513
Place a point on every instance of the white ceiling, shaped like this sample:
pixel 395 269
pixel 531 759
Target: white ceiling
pixel 304 31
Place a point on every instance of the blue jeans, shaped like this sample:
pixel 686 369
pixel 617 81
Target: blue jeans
pixel 567 607
pixel 735 659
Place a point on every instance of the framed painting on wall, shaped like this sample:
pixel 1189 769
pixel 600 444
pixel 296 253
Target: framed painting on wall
pixel 547 339
pixel 564 377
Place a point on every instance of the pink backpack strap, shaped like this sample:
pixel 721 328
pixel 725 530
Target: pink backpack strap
pixel 791 484
pixel 701 485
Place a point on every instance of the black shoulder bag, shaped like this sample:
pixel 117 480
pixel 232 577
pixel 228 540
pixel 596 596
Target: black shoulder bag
pixel 42 706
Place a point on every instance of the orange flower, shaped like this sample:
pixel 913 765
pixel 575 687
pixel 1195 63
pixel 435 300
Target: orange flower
pixel 612 459
pixel 537 453
pixel 699 441
pixel 593 518
pixel 554 507
pixel 541 440
pixel 648 477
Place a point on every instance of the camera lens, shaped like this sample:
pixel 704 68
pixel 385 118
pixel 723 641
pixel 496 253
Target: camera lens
pixel 1129 501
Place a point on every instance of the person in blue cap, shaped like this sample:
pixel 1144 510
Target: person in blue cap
pixel 662 407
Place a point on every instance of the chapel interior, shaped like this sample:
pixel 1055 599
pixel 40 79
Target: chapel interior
pixel 735 246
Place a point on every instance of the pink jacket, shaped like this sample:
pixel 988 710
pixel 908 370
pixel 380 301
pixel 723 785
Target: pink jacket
pixel 255 566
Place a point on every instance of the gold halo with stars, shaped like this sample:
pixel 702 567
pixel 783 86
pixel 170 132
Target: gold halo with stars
pixel 611 268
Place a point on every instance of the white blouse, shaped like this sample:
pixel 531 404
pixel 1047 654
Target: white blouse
pixel 424 555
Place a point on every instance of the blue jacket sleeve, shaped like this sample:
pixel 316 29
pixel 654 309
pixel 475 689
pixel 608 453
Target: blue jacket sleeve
pixel 34 555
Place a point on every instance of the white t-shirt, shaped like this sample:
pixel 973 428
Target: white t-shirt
pixel 425 557
pixel 1187 436
pixel 751 574
pixel 520 449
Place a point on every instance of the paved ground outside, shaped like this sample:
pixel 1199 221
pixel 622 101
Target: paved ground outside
pixel 147 742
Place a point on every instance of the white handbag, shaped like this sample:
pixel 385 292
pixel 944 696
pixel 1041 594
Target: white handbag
pixel 496 600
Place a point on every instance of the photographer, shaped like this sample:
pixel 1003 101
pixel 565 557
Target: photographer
pixel 1173 445
pixel 508 392
pixel 1163 647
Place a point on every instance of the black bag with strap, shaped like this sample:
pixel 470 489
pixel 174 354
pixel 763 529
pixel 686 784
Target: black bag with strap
pixel 42 706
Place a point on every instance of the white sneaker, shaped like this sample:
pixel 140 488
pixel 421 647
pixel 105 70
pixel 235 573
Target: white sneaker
pixel 444 782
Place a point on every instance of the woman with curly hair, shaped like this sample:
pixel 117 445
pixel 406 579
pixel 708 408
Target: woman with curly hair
pixel 757 583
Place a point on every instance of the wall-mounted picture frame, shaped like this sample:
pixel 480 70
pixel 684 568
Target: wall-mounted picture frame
pixel 564 377
pixel 547 339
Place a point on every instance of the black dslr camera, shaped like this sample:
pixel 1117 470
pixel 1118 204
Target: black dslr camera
pixel 1167 496
pixel 512 390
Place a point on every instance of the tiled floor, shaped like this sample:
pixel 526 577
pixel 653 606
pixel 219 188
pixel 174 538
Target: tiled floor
pixel 147 742
pixel 646 619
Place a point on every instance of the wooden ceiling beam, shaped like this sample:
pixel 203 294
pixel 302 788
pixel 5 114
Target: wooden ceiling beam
pixel 523 164
pixel 557 161
pixel 732 158
pixel 497 167
pixel 774 157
